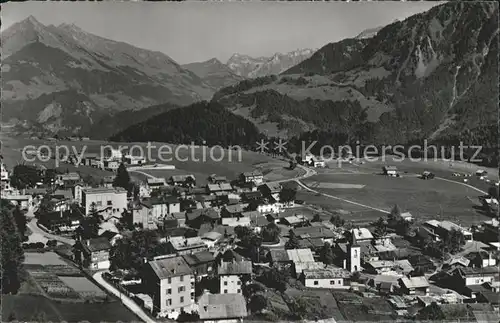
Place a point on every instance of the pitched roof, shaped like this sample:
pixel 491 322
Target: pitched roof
pixel 235 208
pixel 326 273
pixel 212 235
pixel 96 244
pixel 104 190
pixel 199 258
pixel 182 178
pixel 279 255
pixel 209 212
pixel 314 232
pixel 222 306
pixel 253 173
pixel 273 187
pixel 170 267
pixel 181 243
pixel 300 255
pixel 362 233
pixel 235 268
pixel 415 282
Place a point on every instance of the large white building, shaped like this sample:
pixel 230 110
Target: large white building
pixel 329 277
pixel 104 199
pixel 231 274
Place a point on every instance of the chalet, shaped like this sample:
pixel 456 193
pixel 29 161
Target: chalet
pixel 385 267
pixel 201 263
pixel 302 259
pixel 421 262
pixel 220 188
pixel 278 257
pixel 252 177
pixel 390 170
pixel 481 259
pixel 222 308
pixel 474 276
pixel 247 197
pixel 197 217
pixel 179 217
pixel 96 253
pixel 270 208
pixel 67 179
pixel 295 221
pixel 60 222
pixel 329 277
pixel 214 179
pixel 232 211
pixel 163 205
pixel 414 285
pixel 444 228
pixel 183 180
pixel 185 246
pixel 270 190
pixel 325 234
pixel 156 183
pixel 385 284
pixel 142 215
pixel 232 275
pixel 170 283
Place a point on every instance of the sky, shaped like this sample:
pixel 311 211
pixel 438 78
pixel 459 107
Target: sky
pixel 198 31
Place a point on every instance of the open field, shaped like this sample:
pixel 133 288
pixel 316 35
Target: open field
pixel 30 308
pixel 83 286
pixel 46 258
pixel 424 199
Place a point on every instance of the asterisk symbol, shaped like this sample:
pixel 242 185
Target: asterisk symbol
pixel 262 146
pixel 280 145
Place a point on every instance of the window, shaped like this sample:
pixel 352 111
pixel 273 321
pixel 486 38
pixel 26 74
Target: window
pixel 110 203
pixel 192 295
pixel 316 282
pixel 340 281
pixel 332 282
pixel 169 302
pixel 225 283
pixel 182 278
pixel 238 282
pixel 225 291
pixel 238 291
pixel 169 280
pixel 181 289
pixel 98 203
pixel 355 253
pixel 169 291
pixel 182 299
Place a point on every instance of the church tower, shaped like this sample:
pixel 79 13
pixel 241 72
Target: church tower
pixel 354 257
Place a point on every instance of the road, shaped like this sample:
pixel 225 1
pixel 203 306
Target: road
pixel 127 301
pixel 33 226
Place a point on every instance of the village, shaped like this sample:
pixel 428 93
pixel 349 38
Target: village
pixel 243 249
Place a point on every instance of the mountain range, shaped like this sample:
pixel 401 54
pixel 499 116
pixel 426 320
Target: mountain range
pixel 433 75
pixel 61 78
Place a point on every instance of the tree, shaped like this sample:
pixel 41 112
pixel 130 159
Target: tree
pixel 122 178
pixel 326 254
pixel 276 278
pixel 20 220
pixel 257 303
pixel 454 241
pixel 24 176
pixel 12 254
pixel 190 182
pixel 188 317
pixel 271 233
pixel 337 221
pixel 380 227
pixel 299 307
pixel 431 313
pixel 395 213
pixel 293 241
pixel 493 191
pixel 287 195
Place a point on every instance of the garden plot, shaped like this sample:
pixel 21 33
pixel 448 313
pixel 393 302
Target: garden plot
pixel 83 286
pixel 45 258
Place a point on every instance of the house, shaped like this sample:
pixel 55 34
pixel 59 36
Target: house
pixel 255 176
pixel 77 191
pixel 317 232
pixel 407 216
pixel 211 239
pixel 385 284
pixel 491 230
pixel 198 217
pixel 361 235
pixel 24 201
pixel 222 308
pixel 270 208
pixel 111 165
pixel 241 221
pixel 329 277
pixel 142 215
pixel 156 183
pixel 4 173
pixel 232 211
pixel 219 189
pixel 270 190
pixel 170 283
pixel 414 285
pixel 319 163
pixel 163 205
pixel 183 180
pixel 179 217
pixel 421 262
pixel 300 258
pixel 444 228
pixel 481 259
pixel 134 160
pixel 108 181
pixel 385 267
pixel 278 257
pixel 104 198
pixel 247 197
pixel 96 253
pixel 295 221
pixel 90 159
pixel 201 263
pixel 257 221
pixel 232 275
pixel 60 222
pixel 474 276
pixel 184 246
pixel 390 170
pixel 214 179
pixel 67 179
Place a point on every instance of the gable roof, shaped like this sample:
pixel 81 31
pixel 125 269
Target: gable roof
pixel 300 255
pixel 198 258
pixel 96 244
pixel 181 178
pixel 209 212
pixel 414 282
pixel 253 173
pixel 222 306
pixel 170 267
pixel 235 267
